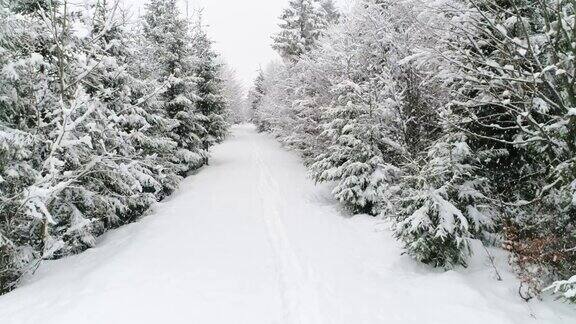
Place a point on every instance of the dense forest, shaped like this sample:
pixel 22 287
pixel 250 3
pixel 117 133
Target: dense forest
pixel 101 115
pixel 453 120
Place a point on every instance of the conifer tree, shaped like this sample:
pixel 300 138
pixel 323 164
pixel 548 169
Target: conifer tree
pixel 354 159
pixel 49 206
pixel 303 23
pixel 442 205
pixel 19 159
pixel 330 12
pixel 145 119
pixel 360 124
pixel 234 95
pixel 167 33
pixel 210 102
pixel 514 99
pixel 125 180
pixel 255 97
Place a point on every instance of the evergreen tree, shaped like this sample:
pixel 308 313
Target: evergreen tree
pixel 440 116
pixel 442 205
pixel 235 97
pixel 371 86
pixel 50 206
pixel 303 23
pixel 330 12
pixel 515 98
pixel 438 201
pixel 146 121
pixel 124 180
pixel 354 159
pixel 209 86
pixel 255 97
pixel 20 162
pixel 566 289
pixel 167 34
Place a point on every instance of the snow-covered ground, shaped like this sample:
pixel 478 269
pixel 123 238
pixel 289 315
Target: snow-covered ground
pixel 250 239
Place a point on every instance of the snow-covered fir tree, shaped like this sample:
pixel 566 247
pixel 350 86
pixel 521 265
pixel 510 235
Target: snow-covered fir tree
pixel 439 201
pixel 566 289
pixel 303 23
pixel 146 121
pixel 255 97
pixel 515 99
pixel 442 205
pixel 354 160
pixel 210 102
pixel 60 112
pixel 168 35
pixel 330 11
pixel 234 94
pixel 125 172
pixel 19 161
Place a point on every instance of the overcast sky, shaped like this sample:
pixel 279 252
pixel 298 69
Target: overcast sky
pixel 241 30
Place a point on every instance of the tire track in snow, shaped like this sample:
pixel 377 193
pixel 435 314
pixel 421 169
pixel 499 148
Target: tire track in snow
pixel 298 294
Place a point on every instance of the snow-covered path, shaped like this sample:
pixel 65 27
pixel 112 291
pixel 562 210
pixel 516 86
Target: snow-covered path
pixel 251 240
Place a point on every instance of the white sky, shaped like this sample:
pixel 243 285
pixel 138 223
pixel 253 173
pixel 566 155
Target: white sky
pixel 241 30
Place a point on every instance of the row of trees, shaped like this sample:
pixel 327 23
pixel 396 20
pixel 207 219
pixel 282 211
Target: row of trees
pixel 99 119
pixel 235 94
pixel 456 120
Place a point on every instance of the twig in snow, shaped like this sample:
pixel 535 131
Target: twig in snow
pixel 491 258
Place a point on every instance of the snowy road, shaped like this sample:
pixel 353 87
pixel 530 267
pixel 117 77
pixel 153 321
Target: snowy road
pixel 251 240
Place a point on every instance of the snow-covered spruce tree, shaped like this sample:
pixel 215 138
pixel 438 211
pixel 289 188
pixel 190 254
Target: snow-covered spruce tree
pixel 168 35
pixel 517 101
pixel 330 11
pixel 359 124
pixel 125 180
pixel 443 204
pixel 566 289
pixel 19 147
pixel 308 86
pixel 429 186
pixel 280 111
pixel 371 84
pixel 303 23
pixel 290 107
pixel 390 113
pixel 48 107
pixel 210 101
pixel 145 120
pixel 17 172
pixel 354 160
pixel 298 95
pixel 294 92
pixel 437 201
pixel 233 92
pixel 255 97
